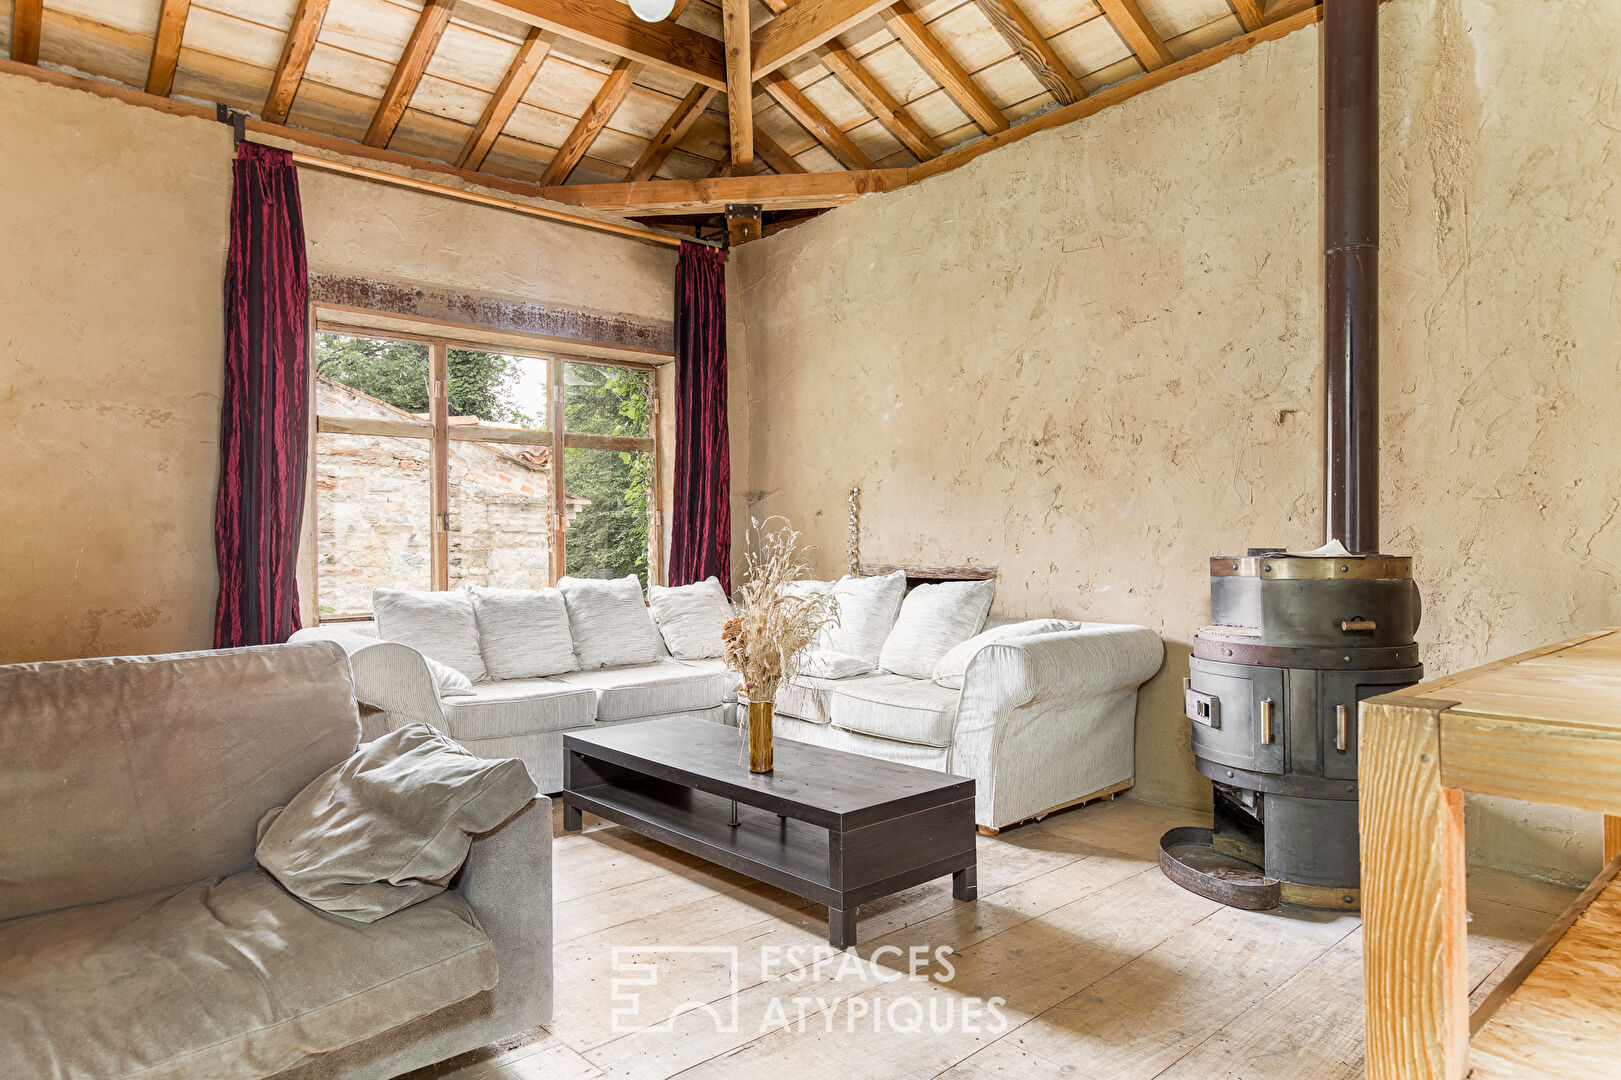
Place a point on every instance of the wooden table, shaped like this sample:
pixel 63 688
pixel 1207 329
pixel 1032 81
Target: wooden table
pixel 836 828
pixel 1544 726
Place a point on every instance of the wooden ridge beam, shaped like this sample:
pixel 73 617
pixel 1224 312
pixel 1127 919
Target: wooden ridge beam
pixel 771 152
pixel 537 45
pixel 816 122
pixel 927 50
pixel 1128 20
pixel 1026 39
pixel 739 84
pixel 295 57
pixel 666 46
pixel 166 47
pixel 589 126
pixel 407 75
pixel 798 191
pixel 27 18
pixel 674 130
pixel 805 25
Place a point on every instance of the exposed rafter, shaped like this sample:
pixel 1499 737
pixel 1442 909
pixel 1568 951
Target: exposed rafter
pixel 166 49
pixel 589 126
pixel 402 84
pixel 27 17
pixel 1251 13
pixel 805 25
pixel 927 50
pixel 739 84
pixel 1027 40
pixel 798 191
pixel 813 120
pixel 537 45
pixel 666 46
pixel 674 130
pixel 1128 20
pixel 295 57
pixel 771 152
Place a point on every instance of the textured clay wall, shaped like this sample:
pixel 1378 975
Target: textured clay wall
pixel 115 226
pixel 1092 359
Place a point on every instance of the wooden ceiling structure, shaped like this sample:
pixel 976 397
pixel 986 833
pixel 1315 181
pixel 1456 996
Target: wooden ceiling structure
pixel 780 106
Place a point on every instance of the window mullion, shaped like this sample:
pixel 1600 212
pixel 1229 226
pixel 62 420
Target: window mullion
pixel 554 369
pixel 439 464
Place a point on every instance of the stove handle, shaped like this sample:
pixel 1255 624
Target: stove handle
pixel 1266 720
pixel 1351 626
pixel 1340 724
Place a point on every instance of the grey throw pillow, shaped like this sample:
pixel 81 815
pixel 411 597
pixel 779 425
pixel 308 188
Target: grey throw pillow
pixel 523 633
pixel 390 826
pixel 609 622
pixel 439 625
pixel 933 620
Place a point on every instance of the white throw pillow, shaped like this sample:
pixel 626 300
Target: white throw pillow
pixel 834 665
pixel 953 665
pixel 439 625
pixel 523 633
pixel 609 622
pixel 933 619
pixel 691 617
pixel 867 610
pixel 447 680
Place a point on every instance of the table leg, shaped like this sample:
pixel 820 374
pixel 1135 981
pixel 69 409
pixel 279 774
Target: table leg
pixel 841 927
pixel 572 820
pixel 965 883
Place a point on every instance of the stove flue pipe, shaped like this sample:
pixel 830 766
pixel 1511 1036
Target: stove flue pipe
pixel 1351 273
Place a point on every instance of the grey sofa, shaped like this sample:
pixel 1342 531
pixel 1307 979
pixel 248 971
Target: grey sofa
pixel 138 938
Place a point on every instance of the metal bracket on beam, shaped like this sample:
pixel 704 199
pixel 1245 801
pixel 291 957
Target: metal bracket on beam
pixel 743 223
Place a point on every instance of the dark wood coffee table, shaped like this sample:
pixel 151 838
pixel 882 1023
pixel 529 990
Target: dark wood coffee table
pixel 836 828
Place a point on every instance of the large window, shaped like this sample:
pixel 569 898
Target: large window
pixel 441 463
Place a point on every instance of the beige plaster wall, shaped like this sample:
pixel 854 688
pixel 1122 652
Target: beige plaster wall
pixel 113 236
pixel 1091 359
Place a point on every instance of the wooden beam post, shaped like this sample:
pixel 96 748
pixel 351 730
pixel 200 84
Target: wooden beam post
pixel 813 120
pixel 587 127
pixel 743 223
pixel 295 57
pixel 537 45
pixel 674 130
pixel 166 47
pixel 927 50
pixel 1026 39
pixel 27 16
pixel 739 84
pixel 425 37
pixel 1128 20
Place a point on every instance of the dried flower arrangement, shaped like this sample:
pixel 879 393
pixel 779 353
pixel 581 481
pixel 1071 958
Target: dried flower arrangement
pixel 773 625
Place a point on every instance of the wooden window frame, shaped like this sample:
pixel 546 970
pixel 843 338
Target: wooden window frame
pixel 439 434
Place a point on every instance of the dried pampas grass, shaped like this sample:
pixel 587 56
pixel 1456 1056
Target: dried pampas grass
pixel 773 626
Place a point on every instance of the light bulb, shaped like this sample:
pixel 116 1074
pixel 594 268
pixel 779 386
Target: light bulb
pixel 652 10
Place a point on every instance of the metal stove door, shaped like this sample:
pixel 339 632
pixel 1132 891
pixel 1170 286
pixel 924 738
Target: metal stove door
pixel 1245 727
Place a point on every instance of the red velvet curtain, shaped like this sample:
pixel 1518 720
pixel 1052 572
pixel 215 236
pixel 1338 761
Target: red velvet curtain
pixel 701 530
pixel 264 417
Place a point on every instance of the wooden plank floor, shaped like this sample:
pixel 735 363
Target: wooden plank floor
pixel 1104 969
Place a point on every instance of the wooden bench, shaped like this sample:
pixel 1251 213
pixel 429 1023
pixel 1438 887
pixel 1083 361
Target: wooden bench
pixel 1544 726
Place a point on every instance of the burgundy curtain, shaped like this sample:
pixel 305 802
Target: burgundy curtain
pixel 701 532
pixel 264 418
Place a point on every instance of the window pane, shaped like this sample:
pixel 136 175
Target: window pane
pixel 500 515
pixel 497 389
pixel 606 498
pixel 372 519
pixel 600 400
pixel 384 380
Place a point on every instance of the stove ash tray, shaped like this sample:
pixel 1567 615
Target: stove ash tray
pixel 1188 857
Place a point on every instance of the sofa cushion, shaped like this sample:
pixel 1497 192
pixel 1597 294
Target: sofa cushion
pixel 805 697
pixel 717 667
pixel 934 619
pixel 522 633
pixel 867 610
pixel 131 774
pixel 834 665
pixel 895 707
pixel 436 624
pixel 222 978
pixel 390 826
pixel 691 617
pixel 656 689
pixel 952 668
pixel 518 707
pixel 609 622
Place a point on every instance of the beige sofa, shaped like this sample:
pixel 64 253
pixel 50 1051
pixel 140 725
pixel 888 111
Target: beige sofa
pixel 138 937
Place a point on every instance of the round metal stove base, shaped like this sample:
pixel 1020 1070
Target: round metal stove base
pixel 1187 855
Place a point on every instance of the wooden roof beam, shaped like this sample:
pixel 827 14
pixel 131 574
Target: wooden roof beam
pixel 407 75
pixel 166 47
pixel 771 152
pixel 1026 39
pixel 1251 13
pixel 1128 20
pixel 816 122
pixel 531 54
pixel 295 57
pixel 589 126
pixel 797 191
pixel 739 84
pixel 804 26
pixel 666 46
pixel 926 49
pixel 27 17
pixel 686 113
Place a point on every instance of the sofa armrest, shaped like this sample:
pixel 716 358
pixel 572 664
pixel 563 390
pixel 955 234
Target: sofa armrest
pixel 388 676
pixel 1094 659
pixel 507 881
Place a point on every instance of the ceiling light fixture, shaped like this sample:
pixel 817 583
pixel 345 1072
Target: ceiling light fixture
pixel 652 10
